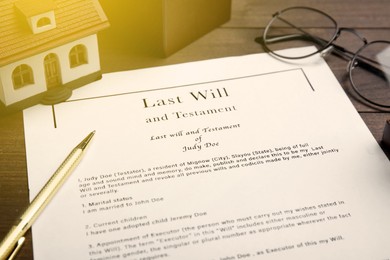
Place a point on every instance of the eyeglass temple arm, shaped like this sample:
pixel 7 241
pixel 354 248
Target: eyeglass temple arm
pixel 339 51
pixel 335 49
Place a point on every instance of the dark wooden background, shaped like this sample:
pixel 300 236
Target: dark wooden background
pixel 236 37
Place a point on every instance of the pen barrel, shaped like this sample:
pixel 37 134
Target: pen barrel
pixel 39 203
pixel 52 186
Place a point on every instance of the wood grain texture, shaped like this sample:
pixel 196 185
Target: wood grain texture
pixel 236 37
pixel 348 13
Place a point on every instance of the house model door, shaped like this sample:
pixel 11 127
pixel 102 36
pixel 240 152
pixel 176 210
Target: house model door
pixel 52 71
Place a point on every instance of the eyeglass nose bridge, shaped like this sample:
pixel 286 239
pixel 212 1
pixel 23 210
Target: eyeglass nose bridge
pixel 341 51
pixel 352 31
pixel 351 65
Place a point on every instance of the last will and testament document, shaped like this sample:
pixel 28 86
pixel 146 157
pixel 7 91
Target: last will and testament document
pixel 236 158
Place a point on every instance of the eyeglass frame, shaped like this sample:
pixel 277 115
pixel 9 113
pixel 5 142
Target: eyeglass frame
pixel 328 46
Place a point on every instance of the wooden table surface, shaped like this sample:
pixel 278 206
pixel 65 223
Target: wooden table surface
pixel 236 37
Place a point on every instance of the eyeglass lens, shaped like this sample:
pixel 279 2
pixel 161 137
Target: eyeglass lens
pixel 370 73
pixel 299 27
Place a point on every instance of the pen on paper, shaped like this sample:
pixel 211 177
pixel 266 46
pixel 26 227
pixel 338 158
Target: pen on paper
pixel 14 240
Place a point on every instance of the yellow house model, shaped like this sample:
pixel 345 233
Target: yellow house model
pixel 47 48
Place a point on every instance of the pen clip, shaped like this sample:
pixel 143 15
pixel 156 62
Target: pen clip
pixel 17 248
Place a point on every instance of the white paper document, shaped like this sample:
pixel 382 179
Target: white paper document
pixel 237 158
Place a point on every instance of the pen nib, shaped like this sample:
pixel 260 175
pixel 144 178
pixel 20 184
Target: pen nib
pixel 83 144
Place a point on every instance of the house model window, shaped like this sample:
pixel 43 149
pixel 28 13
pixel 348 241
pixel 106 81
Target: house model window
pixel 78 56
pixel 44 21
pixel 22 76
pixel 39 15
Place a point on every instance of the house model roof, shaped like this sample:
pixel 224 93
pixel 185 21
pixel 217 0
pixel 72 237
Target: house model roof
pixel 74 19
pixel 33 7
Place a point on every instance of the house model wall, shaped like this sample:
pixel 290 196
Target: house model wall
pixel 47 48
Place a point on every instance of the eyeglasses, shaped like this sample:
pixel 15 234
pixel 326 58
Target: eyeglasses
pixel 369 66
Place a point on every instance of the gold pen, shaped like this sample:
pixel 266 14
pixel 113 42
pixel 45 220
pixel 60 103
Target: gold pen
pixel 13 241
